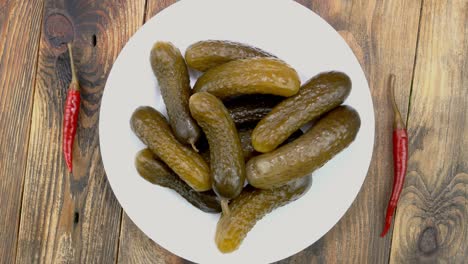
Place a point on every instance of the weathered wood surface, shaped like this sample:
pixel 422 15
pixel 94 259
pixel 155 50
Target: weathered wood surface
pixel 19 37
pixel 65 218
pixel 432 216
pixel 76 219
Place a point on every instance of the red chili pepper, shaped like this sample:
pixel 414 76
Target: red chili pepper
pixel 70 116
pixel 400 158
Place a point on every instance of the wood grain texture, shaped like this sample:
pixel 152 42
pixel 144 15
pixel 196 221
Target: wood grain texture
pixel 135 246
pixel 373 29
pixel 19 38
pixel 432 215
pixel 73 218
pixel 155 6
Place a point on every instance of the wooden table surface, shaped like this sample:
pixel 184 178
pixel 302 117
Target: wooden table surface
pixel 50 216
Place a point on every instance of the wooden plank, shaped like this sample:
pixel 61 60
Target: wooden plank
pixel 432 215
pixel 73 218
pixel 383 36
pixel 135 246
pixel 19 37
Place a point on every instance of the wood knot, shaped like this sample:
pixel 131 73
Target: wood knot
pixel 428 241
pixel 58 30
pixel 94 40
pixel 76 218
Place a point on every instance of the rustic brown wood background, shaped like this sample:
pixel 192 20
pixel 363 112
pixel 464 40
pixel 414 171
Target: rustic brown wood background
pixel 48 216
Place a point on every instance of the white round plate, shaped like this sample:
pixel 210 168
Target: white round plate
pixel 284 28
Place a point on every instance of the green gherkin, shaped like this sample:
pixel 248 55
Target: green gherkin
pixel 329 136
pixel 245 136
pixel 251 206
pixel 226 155
pixel 250 76
pixel 174 82
pixel 319 95
pixel 152 128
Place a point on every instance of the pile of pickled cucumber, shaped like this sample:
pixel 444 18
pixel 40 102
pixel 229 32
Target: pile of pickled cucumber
pixel 233 143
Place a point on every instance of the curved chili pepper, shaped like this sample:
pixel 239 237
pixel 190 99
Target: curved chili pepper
pixel 70 116
pixel 400 158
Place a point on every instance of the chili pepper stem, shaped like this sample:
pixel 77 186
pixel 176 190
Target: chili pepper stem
pixel 74 80
pixel 225 207
pixel 397 120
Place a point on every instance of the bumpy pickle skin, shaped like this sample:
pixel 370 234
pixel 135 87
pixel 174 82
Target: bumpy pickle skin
pixel 248 110
pixel 250 76
pixel 329 136
pixel 152 128
pixel 226 155
pixel 155 171
pixel 251 206
pixel 245 136
pixel 174 81
pixel 319 95
pixel 207 54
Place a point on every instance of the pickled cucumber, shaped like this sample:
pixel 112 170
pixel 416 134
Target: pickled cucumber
pixel 249 76
pixel 155 171
pixel 330 135
pixel 152 128
pixel 207 54
pixel 226 156
pixel 318 96
pixel 251 206
pixel 245 136
pixel 174 82
pixel 249 109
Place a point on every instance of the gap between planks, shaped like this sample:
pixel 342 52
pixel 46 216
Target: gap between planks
pixel 414 66
pixel 408 111
pixel 118 236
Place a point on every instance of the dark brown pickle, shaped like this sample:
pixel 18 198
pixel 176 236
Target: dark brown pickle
pixel 152 169
pixel 247 110
pixel 207 54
